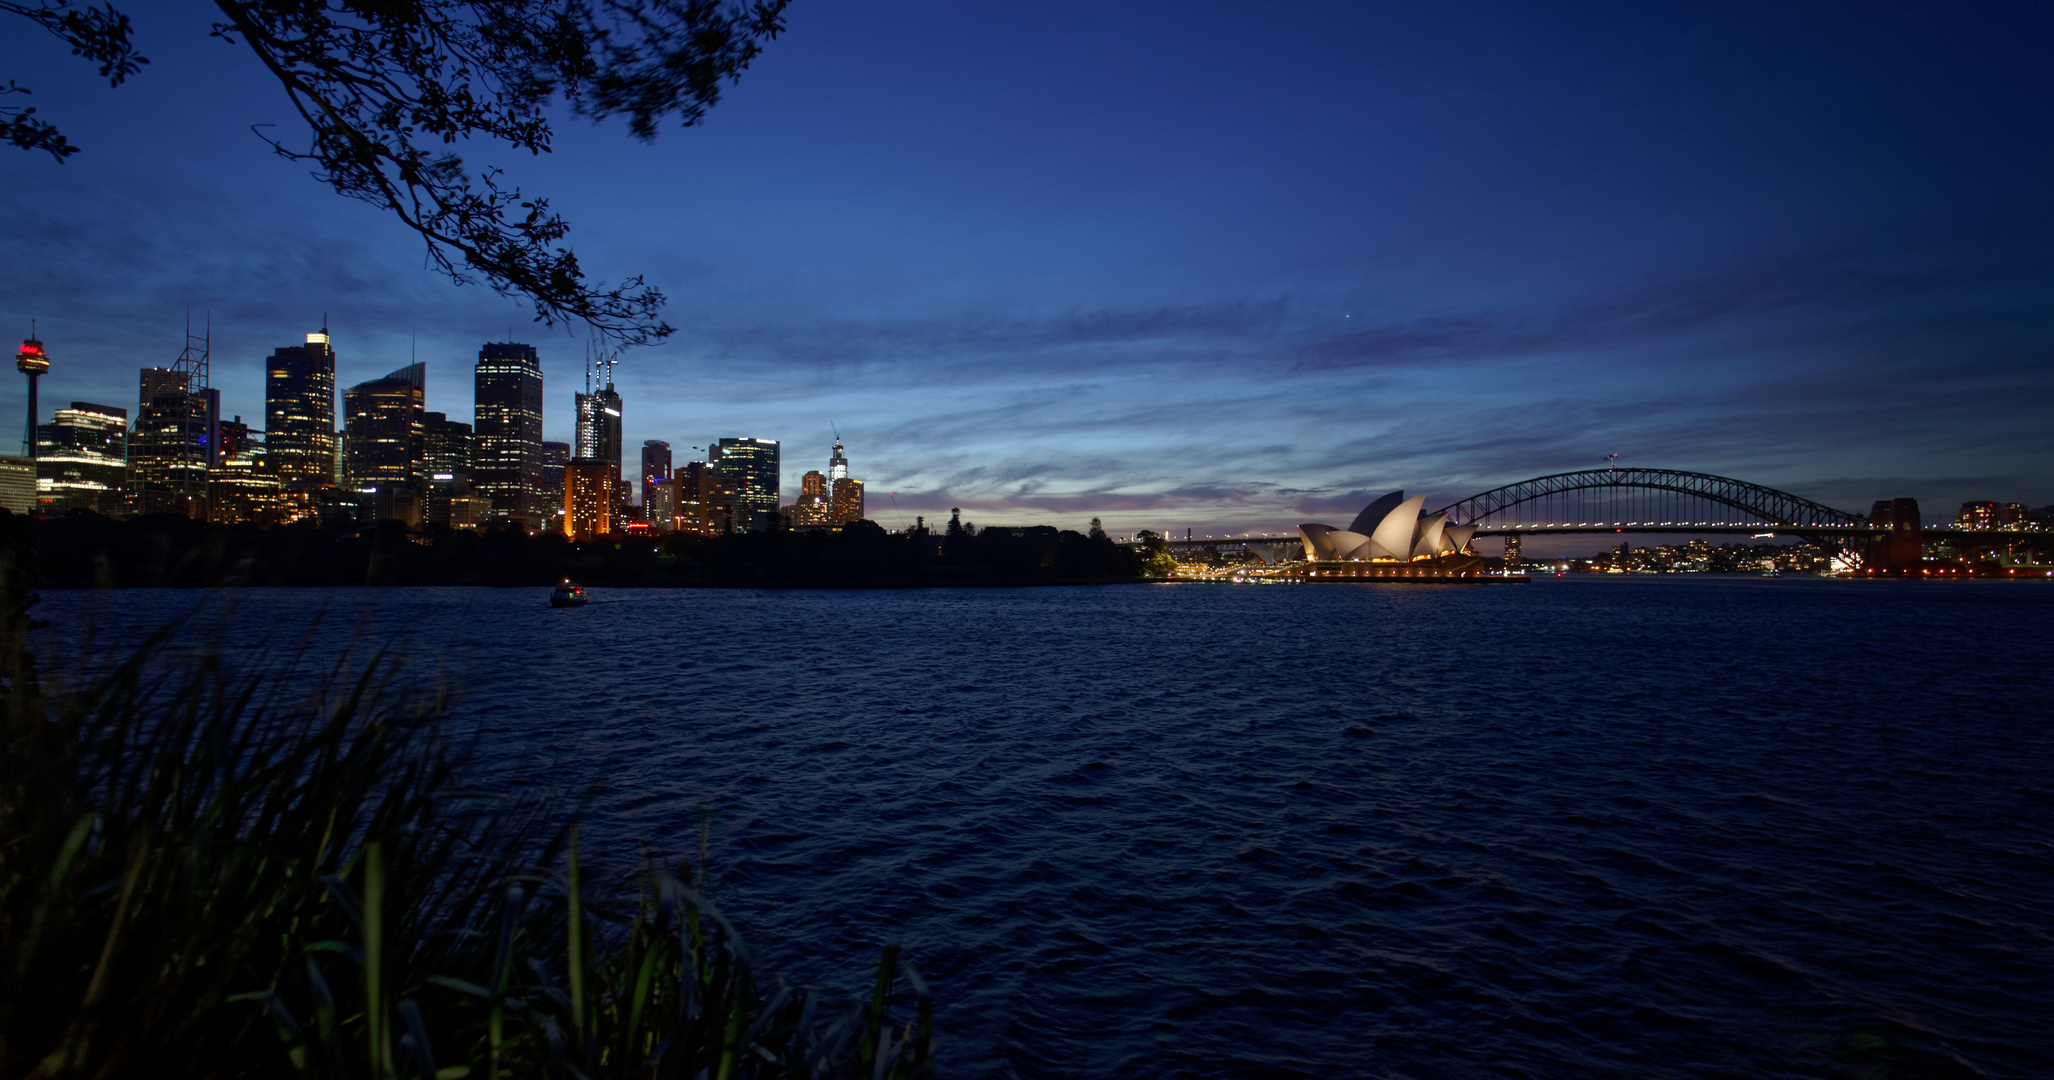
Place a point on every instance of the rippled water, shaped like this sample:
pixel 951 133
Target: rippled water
pixel 1586 827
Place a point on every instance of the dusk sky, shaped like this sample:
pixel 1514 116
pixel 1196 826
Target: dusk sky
pixel 1219 266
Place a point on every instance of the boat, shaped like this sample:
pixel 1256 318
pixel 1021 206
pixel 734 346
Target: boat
pixel 568 594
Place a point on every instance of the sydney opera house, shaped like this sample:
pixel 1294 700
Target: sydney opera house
pixel 1391 539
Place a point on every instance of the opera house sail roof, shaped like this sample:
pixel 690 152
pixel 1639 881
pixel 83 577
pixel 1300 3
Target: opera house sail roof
pixel 1391 529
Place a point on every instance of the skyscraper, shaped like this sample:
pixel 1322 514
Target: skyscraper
pixel 171 447
pixel 598 434
pixel 845 495
pixel 588 498
pixel 811 509
pixel 848 501
pixel 299 411
pixel 506 440
pixel 446 443
pixel 82 460
pixel 750 467
pixel 703 499
pixel 383 420
pixel 655 466
pixel 555 455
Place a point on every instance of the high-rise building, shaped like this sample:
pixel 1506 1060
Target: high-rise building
pixel 82 460
pixel 300 445
pixel 18 484
pixel 811 509
pixel 447 445
pixel 750 467
pixel 598 433
pixel 383 422
pixel 506 440
pixel 172 445
pixel 243 489
pixel 555 455
pixel 655 466
pixel 848 501
pixel 588 498
pixel 844 494
pixel 660 504
pixel 704 500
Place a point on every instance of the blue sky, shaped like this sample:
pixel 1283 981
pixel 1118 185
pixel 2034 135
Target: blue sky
pixel 1221 266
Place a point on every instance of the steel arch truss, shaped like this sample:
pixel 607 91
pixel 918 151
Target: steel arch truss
pixel 1643 497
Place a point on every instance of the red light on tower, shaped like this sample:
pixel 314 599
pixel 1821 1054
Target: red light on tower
pixel 31 361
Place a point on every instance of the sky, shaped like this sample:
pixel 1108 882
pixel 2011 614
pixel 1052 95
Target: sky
pixel 1227 267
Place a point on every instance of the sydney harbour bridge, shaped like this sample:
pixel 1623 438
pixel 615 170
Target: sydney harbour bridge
pixel 1630 500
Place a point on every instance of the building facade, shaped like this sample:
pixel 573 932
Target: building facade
pixel 170 450
pixel 506 434
pixel 299 412
pixel 655 466
pixel 848 501
pixel 750 467
pixel 811 511
pixel 589 498
pixel 82 460
pixel 384 430
pixel 705 501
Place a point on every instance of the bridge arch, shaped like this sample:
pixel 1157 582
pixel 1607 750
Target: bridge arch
pixel 1643 498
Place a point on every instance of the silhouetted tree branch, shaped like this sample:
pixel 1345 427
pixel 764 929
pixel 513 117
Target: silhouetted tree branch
pixel 100 34
pixel 388 89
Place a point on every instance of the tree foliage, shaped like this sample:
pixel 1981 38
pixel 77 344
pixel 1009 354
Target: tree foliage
pixel 391 90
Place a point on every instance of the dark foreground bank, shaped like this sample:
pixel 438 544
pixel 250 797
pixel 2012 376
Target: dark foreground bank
pixel 85 550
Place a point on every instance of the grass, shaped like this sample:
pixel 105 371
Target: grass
pixel 210 874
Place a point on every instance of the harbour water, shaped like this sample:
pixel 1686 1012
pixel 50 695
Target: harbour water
pixel 1649 826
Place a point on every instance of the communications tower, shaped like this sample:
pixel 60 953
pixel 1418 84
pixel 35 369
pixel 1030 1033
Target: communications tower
pixel 31 361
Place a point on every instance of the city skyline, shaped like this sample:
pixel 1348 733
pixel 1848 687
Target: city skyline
pixel 1414 249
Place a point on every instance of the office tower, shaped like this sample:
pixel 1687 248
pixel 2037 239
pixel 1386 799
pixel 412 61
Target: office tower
pixel 243 489
pixel 655 466
pixel 555 455
pixel 704 498
pixel 811 509
pixel 383 421
pixel 848 501
pixel 299 412
pixel 598 436
pixel 1513 563
pixel 598 433
pixel 506 435
pixel 18 484
pixel 844 494
pixel 82 460
pixel 750 467
pixel 31 361
pixel 171 447
pixel 446 445
pixel 588 498
pixel 659 503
